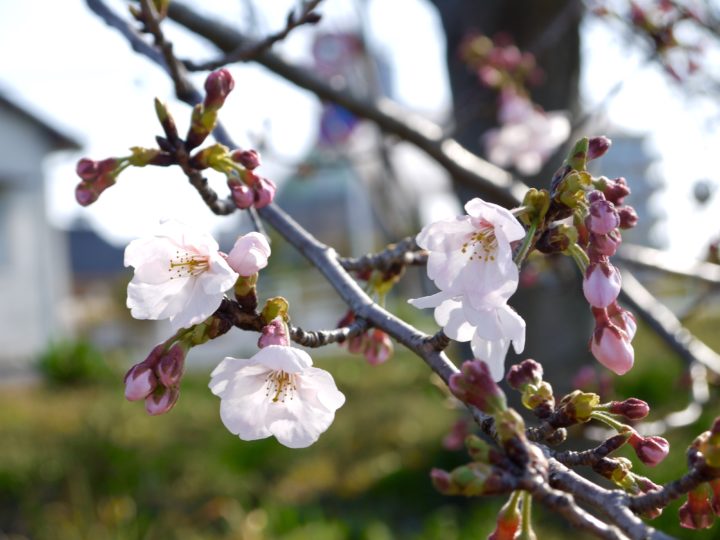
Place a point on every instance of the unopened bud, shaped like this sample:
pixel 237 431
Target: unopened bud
pixel 478 449
pixel 526 372
pixel 274 333
pixel 628 217
pixel 242 196
pixel 217 87
pixel 650 450
pixel 378 347
pixel 597 147
pixel 579 405
pixel 250 159
pixel 602 217
pixel 87 169
pixel 161 400
pixel 171 366
pixel 696 513
pixel 140 382
pixel 249 254
pixel 611 347
pixel 631 408
pixel 264 192
pixel 601 284
pixel 474 385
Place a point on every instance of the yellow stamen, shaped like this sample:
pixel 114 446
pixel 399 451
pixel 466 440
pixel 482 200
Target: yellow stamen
pixel 186 265
pixel 482 244
pixel 280 385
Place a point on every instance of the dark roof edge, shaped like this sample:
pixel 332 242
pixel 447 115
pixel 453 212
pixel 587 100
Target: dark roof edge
pixel 59 139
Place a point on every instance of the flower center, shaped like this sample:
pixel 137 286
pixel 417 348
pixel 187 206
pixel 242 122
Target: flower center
pixel 280 385
pixel 482 244
pixel 185 264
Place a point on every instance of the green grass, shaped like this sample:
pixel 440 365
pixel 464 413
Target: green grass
pixel 80 462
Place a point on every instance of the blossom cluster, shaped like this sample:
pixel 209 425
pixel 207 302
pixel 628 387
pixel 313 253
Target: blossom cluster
pixel 470 260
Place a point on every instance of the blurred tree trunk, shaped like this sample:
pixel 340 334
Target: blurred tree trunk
pixel 556 313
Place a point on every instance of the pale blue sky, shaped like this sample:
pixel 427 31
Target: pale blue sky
pixel 64 63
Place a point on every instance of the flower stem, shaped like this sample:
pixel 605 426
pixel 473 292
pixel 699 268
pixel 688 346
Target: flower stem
pixel 526 245
pixel 526 513
pixel 606 419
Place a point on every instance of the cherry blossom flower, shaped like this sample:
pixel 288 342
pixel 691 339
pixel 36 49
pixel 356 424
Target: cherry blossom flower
pixel 471 255
pixel 527 136
pixel 180 275
pixel 249 254
pixel 276 392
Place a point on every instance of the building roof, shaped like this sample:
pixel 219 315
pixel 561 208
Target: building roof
pixel 60 140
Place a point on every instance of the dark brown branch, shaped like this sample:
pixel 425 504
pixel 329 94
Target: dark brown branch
pixel 671 490
pixel 250 51
pixel 465 167
pixel 405 253
pixel 591 456
pixel 320 338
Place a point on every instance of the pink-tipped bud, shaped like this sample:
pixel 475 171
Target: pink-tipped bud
pixel 85 195
pixel 601 285
pixel 525 373
pixel 475 385
pixel 623 319
pixel 378 348
pixel 161 400
pixel 356 344
pixel 696 513
pixel 441 480
pixel 616 190
pixel 171 366
pixel 249 254
pixel 217 87
pixel 631 408
pixel 597 147
pixel 606 244
pixel 264 192
pixel 650 450
pixel 611 347
pixel 274 333
pixel 87 169
pixel 250 159
pixel 140 382
pixel 603 216
pixel 628 217
pixel 242 196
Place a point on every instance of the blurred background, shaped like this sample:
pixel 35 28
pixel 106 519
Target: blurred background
pixel 78 461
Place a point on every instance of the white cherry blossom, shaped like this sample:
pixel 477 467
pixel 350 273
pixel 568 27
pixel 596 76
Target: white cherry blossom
pixel 490 330
pixel 180 275
pixel 471 255
pixel 276 392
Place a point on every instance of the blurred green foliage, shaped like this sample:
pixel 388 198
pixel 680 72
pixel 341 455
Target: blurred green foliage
pixel 72 363
pixel 80 462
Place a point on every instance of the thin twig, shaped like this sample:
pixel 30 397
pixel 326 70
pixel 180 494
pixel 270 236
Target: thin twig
pixel 246 52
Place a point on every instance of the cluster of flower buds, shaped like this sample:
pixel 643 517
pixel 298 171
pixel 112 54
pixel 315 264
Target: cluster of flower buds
pixel 499 63
pixel 663 21
pixel 157 378
pixel 374 344
pixel 537 395
pixel 246 188
pixel 97 176
pixel 598 210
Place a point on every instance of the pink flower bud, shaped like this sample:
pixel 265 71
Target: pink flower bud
pixel 140 382
pixel 171 366
pixel 264 192
pixel 242 196
pixel 455 439
pixel 84 194
pixel 611 347
pixel 356 344
pixel 525 373
pixel 628 217
pixel 622 318
pixel 597 147
pixel 474 385
pixel 161 400
pixel 603 217
pixel 441 480
pixel 601 285
pixel 217 87
pixel 606 244
pixel 87 169
pixel 274 333
pixel 616 190
pixel 650 450
pixel 249 254
pixel 631 408
pixel 250 159
pixel 378 348
pixel 696 513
